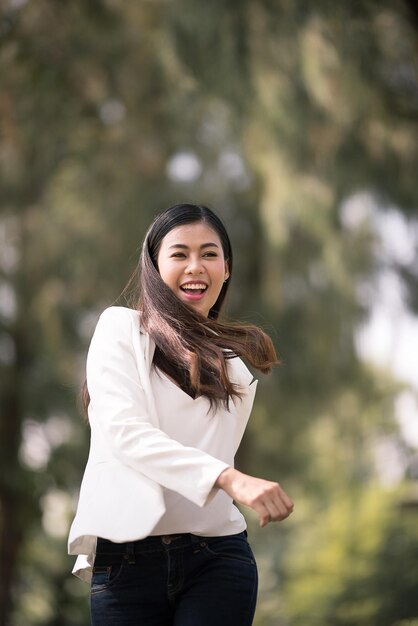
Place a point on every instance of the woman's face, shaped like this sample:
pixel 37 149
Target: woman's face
pixel 192 263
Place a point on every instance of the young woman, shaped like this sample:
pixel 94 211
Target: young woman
pixel 156 529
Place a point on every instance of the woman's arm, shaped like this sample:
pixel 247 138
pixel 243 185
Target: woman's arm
pixel 267 498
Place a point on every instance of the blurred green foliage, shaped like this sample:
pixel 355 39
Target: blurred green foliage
pixel 297 122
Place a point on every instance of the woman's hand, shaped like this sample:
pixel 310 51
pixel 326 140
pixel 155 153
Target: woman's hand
pixel 267 499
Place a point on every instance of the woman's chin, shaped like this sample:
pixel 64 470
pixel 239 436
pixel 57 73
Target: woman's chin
pixel 199 307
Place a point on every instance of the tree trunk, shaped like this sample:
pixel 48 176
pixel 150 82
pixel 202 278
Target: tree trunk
pixel 11 492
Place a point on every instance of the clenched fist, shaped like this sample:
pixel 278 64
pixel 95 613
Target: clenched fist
pixel 267 498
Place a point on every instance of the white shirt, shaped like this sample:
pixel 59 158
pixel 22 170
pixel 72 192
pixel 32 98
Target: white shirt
pixel 192 423
pixel 132 459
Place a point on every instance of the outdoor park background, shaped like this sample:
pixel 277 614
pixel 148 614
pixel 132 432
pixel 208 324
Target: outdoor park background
pixel 297 122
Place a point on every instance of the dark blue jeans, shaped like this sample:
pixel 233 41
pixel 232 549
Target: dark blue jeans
pixel 174 580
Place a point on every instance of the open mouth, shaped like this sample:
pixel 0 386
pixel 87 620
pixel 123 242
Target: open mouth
pixel 194 289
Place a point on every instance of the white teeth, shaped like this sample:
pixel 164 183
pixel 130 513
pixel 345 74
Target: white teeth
pixel 194 286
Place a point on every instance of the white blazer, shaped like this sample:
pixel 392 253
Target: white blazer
pixel 131 459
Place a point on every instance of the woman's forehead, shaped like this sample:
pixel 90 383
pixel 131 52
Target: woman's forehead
pixel 196 232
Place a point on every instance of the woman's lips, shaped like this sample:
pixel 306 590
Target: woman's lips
pixel 194 291
pixel 193 295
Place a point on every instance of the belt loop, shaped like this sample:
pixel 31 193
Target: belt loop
pixel 130 550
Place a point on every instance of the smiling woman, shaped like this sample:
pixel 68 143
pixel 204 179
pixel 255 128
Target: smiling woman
pixel 157 532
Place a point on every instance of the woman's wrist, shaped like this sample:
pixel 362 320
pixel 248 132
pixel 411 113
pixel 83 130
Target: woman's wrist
pixel 225 478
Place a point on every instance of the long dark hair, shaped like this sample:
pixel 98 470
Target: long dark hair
pixel 190 348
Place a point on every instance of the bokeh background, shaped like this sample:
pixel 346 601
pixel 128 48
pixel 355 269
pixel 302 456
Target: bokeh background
pixel 297 122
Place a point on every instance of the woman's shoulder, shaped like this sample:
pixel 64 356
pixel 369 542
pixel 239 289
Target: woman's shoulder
pixel 120 313
pixel 118 319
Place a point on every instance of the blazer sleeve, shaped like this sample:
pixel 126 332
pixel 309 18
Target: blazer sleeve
pixel 118 407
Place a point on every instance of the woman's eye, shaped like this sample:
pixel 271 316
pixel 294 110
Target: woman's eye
pixel 178 255
pixel 210 254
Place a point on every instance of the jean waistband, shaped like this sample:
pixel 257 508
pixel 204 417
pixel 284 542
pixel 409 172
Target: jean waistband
pixel 158 543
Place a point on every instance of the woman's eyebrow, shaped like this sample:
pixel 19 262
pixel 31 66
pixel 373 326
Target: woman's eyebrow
pixel 184 247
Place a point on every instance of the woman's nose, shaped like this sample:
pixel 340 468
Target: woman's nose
pixel 195 266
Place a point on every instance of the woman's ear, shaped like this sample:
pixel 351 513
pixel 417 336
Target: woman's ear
pixel 226 271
